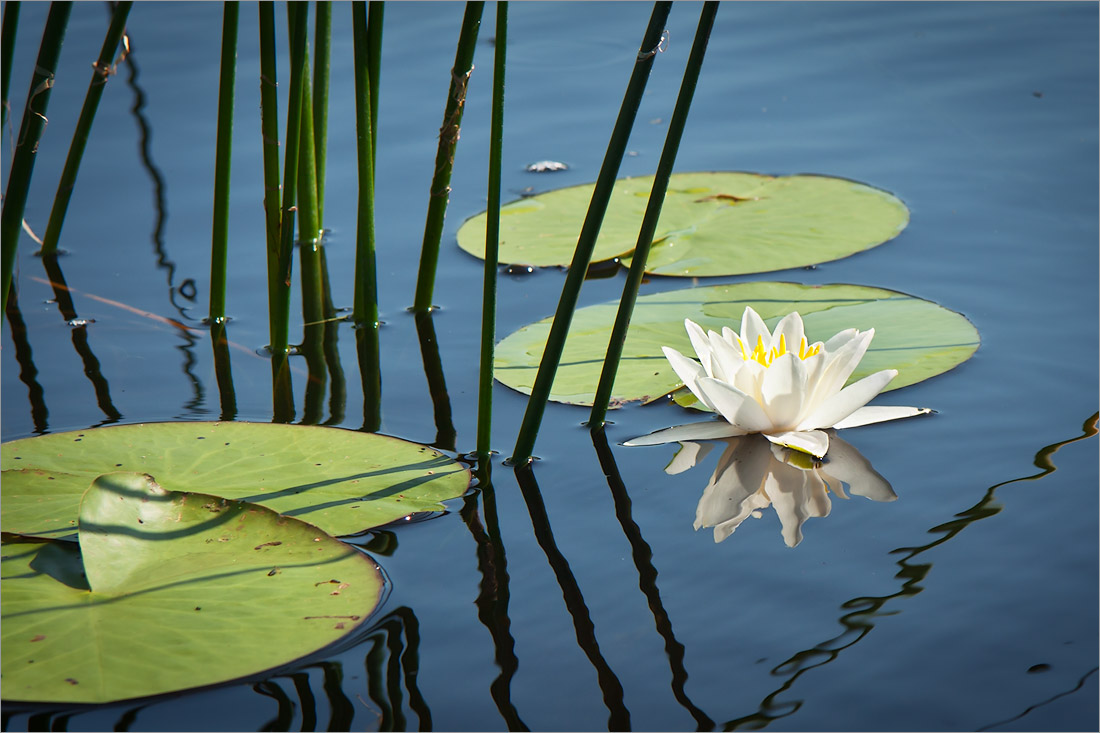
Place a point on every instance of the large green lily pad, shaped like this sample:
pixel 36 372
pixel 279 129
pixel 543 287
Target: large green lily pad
pixel 719 223
pixel 340 480
pixel 170 590
pixel 918 338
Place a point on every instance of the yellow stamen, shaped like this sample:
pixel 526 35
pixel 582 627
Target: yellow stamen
pixel 765 357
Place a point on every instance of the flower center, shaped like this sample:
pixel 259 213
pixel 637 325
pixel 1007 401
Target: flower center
pixel 765 357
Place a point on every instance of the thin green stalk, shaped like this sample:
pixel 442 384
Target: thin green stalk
pixel 652 214
pixel 308 223
pixel 102 71
pixel 365 311
pixel 296 21
pixel 445 156
pixel 492 240
pixel 375 12
pixel 30 132
pixel 219 247
pixel 548 366
pixel 7 53
pixel 321 52
pixel 269 118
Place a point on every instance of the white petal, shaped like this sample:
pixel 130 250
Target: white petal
pixel 878 413
pixel 699 341
pixel 691 431
pixel 737 407
pixel 840 339
pixel 814 442
pixel 753 327
pixel 838 366
pixel 783 390
pixel 792 330
pixel 689 371
pixel 688 455
pixel 834 409
pixel 728 358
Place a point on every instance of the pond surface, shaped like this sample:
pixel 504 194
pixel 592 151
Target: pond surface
pixel 588 602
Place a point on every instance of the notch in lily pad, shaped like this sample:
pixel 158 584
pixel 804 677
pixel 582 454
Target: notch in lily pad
pixel 712 223
pixel 172 590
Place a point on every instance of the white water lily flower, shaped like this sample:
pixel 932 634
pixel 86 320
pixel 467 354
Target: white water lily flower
pixel 776 384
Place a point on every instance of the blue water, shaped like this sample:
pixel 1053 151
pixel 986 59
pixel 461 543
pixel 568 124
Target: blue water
pixel 969 603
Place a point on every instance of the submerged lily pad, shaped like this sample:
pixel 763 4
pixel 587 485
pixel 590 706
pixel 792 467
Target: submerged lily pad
pixel 918 338
pixel 170 590
pixel 340 480
pixel 720 223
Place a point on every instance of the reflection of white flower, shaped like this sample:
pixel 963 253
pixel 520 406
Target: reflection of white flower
pixel 752 474
pixel 777 384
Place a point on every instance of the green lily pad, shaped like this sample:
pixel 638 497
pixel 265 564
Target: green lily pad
pixel 172 590
pixel 340 480
pixel 918 338
pixel 720 223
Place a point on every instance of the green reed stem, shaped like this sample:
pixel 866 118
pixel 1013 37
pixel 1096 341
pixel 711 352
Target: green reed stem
pixel 269 120
pixel 102 71
pixel 375 11
pixel 321 52
pixel 30 133
pixel 279 286
pixel 445 156
pixel 219 247
pixel 365 310
pixel 492 240
pixel 365 307
pixel 308 223
pixel 652 214
pixel 555 343
pixel 7 53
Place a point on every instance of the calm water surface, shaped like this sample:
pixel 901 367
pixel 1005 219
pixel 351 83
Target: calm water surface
pixel 969 603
